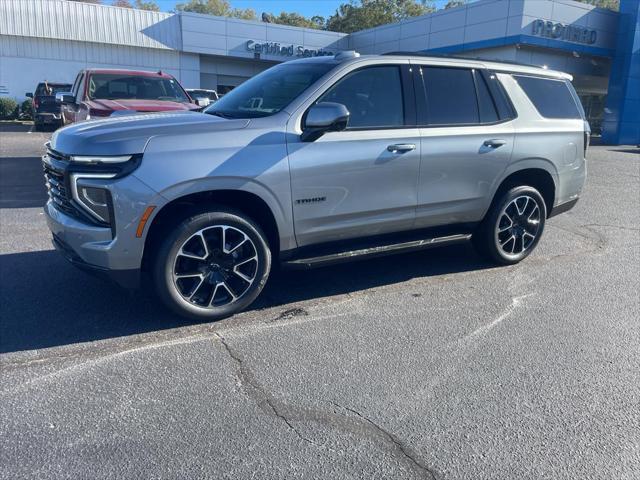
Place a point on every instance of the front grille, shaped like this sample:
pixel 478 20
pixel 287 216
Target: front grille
pixel 57 186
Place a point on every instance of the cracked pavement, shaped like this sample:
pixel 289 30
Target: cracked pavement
pixel 427 365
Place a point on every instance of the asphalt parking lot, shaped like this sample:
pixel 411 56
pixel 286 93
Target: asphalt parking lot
pixel 425 365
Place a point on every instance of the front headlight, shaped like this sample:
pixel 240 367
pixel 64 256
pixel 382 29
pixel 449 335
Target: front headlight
pixel 94 199
pixel 101 159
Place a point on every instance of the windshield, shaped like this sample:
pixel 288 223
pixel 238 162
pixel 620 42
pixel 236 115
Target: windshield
pixel 52 88
pixel 210 94
pixel 111 86
pixel 270 91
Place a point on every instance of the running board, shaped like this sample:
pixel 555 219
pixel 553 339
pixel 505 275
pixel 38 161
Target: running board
pixel 376 251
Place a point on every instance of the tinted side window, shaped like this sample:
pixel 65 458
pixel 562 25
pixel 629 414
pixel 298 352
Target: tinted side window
pixel 451 96
pixel 505 110
pixel 488 113
pixel 552 98
pixel 372 95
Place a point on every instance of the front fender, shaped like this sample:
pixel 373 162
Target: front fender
pixel 273 199
pixel 252 160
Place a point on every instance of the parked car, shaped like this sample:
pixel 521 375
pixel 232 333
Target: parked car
pixel 318 161
pixel 99 93
pixel 45 109
pixel 211 96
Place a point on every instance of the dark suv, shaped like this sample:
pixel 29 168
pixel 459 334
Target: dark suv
pixel 45 109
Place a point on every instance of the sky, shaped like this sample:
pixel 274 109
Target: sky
pixel 308 8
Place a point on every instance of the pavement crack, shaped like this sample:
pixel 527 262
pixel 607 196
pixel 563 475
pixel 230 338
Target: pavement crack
pixel 288 314
pixel 357 425
pixel 395 443
pixel 254 389
pixel 604 225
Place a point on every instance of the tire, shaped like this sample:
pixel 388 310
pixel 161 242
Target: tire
pixel 513 226
pixel 37 127
pixel 216 279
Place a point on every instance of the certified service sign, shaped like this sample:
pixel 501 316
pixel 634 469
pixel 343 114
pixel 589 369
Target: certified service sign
pixel 561 31
pixel 275 48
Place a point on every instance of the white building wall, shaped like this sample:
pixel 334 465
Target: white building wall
pixel 228 36
pixel 85 22
pixel 26 61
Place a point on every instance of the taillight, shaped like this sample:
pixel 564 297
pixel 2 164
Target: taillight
pixel 36 102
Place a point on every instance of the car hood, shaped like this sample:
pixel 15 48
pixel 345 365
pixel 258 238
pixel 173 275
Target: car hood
pixel 125 135
pixel 140 105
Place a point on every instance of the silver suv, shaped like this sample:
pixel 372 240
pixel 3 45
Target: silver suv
pixel 313 162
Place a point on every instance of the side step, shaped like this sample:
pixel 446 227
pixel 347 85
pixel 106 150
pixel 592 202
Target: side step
pixel 374 251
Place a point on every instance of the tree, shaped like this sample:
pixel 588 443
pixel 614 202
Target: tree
pixel 220 8
pixel 122 3
pixel 455 3
pixel 359 15
pixel 297 20
pixel 610 4
pixel 147 5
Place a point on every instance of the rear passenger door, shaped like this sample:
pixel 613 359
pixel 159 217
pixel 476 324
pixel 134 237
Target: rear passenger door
pixel 467 139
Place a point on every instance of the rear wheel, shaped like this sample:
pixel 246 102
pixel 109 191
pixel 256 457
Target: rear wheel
pixel 513 226
pixel 212 265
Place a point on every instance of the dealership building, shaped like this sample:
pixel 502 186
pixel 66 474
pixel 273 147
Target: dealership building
pixel 54 39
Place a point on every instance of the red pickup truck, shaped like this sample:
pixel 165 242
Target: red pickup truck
pixel 99 93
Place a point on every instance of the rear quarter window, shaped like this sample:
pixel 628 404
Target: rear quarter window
pixel 552 98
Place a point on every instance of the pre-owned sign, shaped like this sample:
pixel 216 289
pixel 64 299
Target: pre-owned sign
pixel 275 48
pixel 561 31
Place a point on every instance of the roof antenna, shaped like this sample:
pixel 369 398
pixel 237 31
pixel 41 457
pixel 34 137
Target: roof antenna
pixel 159 72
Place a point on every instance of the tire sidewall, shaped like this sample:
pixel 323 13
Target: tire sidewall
pixel 164 263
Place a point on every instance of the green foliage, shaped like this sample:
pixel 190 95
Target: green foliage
pixel 455 3
pixel 220 8
pixel 610 4
pixel 147 5
pixel 297 20
pixel 8 108
pixel 26 109
pixel 359 15
pixel 122 3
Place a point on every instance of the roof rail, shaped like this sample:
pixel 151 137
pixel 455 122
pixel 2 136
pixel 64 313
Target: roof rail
pixel 461 57
pixel 345 54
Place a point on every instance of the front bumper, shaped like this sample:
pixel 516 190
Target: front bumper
pixel 129 279
pixel 88 247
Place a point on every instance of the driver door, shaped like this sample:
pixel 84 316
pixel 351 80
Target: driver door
pixel 361 181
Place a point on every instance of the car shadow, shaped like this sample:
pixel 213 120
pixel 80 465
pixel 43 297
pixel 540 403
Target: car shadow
pixel 45 302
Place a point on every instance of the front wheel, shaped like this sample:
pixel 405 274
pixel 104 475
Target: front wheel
pixel 513 226
pixel 212 265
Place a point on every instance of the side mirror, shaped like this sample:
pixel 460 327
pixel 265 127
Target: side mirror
pixel 28 95
pixel 324 117
pixel 201 101
pixel 65 97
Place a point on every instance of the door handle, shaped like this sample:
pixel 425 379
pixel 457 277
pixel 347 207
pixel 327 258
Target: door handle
pixel 401 148
pixel 494 143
